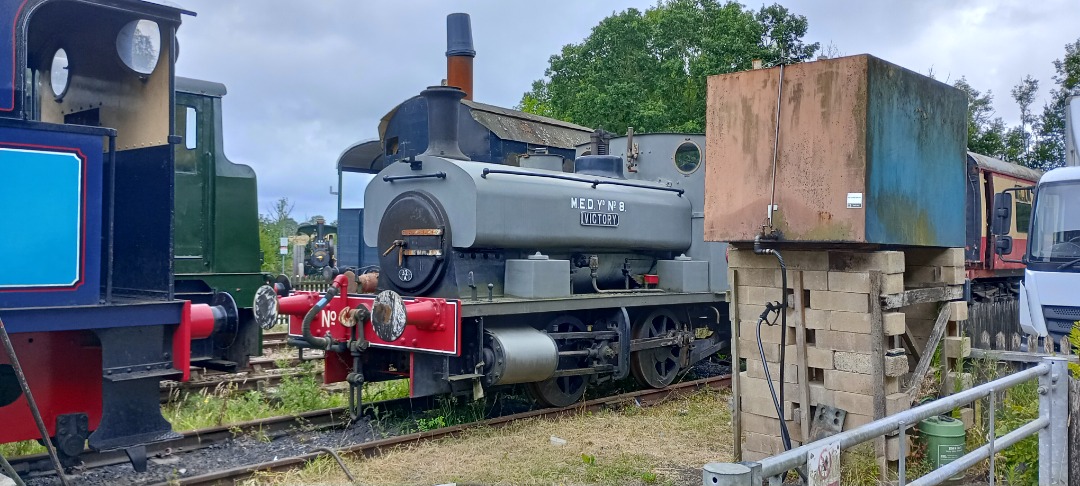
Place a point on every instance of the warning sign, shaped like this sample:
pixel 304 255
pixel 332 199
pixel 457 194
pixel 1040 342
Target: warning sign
pixel 823 465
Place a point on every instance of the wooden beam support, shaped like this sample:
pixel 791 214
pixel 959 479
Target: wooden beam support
pixel 922 296
pixel 736 405
pixel 928 353
pixel 800 348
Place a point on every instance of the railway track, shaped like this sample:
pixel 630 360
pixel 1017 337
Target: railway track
pixel 264 371
pixel 372 448
pixel 38 465
pixel 275 342
pixel 245 381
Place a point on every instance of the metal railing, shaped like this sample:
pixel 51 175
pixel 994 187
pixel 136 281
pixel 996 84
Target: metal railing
pixel 1051 425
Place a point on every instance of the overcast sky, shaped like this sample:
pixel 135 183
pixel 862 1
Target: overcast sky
pixel 307 79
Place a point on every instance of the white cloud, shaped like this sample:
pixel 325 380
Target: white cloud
pixel 307 79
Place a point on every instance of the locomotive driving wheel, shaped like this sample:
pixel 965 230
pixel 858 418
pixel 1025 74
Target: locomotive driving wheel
pixel 563 391
pixel 656 367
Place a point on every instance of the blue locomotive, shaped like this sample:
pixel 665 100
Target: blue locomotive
pixel 87 136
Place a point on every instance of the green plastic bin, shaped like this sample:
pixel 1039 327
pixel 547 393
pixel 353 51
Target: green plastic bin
pixel 945 438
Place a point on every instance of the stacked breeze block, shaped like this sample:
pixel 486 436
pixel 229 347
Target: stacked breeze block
pixel 837 308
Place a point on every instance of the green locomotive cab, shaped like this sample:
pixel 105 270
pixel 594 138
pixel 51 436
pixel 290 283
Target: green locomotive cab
pixel 216 225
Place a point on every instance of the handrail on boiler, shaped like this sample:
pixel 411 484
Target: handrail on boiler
pixel 594 182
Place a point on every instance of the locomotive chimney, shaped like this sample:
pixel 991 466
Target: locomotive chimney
pixel 442 113
pixel 459 53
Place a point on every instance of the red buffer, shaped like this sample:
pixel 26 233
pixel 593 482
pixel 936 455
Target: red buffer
pixel 420 324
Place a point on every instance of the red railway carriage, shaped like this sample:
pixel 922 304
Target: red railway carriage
pixel 995 283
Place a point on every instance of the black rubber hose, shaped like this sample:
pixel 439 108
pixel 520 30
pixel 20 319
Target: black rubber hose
pixel 758 249
pixel 784 436
pixel 315 341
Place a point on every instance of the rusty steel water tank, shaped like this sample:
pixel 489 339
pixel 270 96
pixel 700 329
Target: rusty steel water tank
pixel 866 152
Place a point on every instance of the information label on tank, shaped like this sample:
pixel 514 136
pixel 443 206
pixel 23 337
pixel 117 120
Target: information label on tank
pixel 599 219
pixel 854 200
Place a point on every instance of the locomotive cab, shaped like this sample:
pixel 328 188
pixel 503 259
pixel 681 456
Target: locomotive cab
pixel 215 226
pixel 86 135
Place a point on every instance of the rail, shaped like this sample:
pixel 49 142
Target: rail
pixel 594 182
pixel 642 398
pixel 1051 425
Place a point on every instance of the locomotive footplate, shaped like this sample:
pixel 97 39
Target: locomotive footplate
pixel 499 306
pixel 553 346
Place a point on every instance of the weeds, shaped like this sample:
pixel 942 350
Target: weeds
pixel 1019 463
pixel 22 448
pixel 386 390
pixel 616 470
pixel 426 424
pixel 228 405
pixel 1074 340
pixel 859 467
pixel 449 412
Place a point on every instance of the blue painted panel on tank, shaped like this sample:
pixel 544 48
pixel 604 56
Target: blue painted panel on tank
pixel 916 151
pixel 46 187
pixel 50 225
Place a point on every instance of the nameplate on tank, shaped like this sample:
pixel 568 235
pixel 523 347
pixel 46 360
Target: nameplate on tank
pixel 589 218
pixel 597 204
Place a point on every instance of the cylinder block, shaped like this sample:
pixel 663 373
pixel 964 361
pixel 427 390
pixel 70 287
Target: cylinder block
pixel 519 355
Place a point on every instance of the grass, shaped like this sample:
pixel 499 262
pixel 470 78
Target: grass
pixel 665 444
pixel 23 448
pixel 1017 465
pixel 226 405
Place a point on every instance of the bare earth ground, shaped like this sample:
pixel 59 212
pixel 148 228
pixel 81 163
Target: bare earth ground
pixel 664 444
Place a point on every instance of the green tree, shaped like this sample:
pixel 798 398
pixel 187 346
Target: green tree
pixel 1024 94
pixel 986 133
pixel 1049 150
pixel 648 69
pixel 782 36
pixel 276 223
pixel 1016 138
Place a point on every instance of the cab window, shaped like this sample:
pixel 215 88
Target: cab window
pixel 187 153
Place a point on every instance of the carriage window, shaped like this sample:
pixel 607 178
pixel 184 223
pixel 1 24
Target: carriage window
pixel 687 157
pixel 139 45
pixel 58 73
pixel 1023 211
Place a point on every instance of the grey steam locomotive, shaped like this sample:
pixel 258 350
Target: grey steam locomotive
pixel 562 277
pixel 517 249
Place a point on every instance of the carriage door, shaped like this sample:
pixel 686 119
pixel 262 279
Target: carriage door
pixel 194 170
